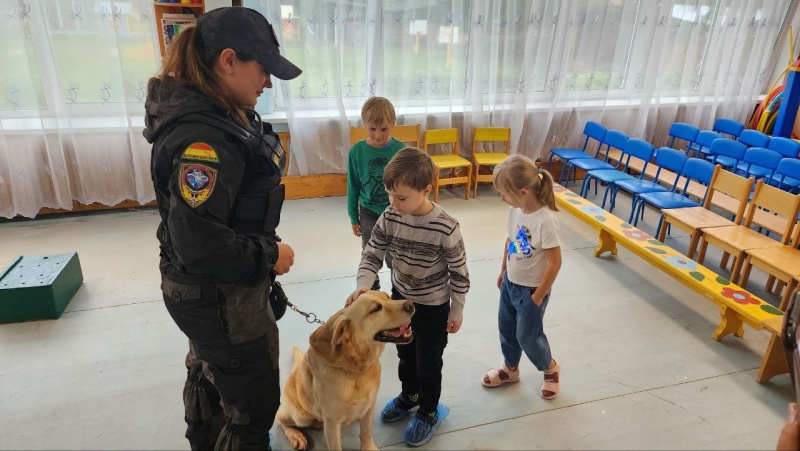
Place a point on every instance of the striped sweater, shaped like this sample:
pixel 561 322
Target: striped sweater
pixel 430 263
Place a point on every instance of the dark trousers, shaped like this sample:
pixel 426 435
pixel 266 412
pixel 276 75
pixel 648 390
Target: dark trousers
pixel 420 368
pixel 367 219
pixel 232 390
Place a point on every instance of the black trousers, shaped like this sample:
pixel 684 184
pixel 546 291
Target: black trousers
pixel 420 368
pixel 232 389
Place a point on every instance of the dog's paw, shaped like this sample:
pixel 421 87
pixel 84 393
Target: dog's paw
pixel 369 446
pixel 297 439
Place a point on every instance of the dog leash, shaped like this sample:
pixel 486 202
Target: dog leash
pixel 311 318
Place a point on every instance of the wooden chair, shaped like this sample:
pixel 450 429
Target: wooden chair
pixel 488 159
pixel 694 219
pixel 286 141
pixel 780 262
pixel 452 161
pixel 406 133
pixel 738 239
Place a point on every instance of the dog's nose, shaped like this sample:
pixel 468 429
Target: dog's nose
pixel 408 307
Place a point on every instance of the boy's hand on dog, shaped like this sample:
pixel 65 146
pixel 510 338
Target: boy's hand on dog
pixel 357 229
pixel 453 326
pixel 285 259
pixel 355 295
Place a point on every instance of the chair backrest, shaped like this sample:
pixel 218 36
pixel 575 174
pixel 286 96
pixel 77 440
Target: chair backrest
pixel 706 137
pixel 595 130
pixel 728 148
pixel 682 131
pixel 728 126
pixel 671 159
pixel 787 167
pixel 441 136
pixel 357 134
pixel 733 185
pixel 641 149
pixel 789 148
pixel 492 134
pixel 407 133
pixel 753 138
pixel 776 202
pixel 697 170
pixel 760 156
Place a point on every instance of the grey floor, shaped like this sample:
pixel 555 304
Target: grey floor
pixel 639 367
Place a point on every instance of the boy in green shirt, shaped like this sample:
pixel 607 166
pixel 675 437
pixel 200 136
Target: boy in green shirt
pixel 366 195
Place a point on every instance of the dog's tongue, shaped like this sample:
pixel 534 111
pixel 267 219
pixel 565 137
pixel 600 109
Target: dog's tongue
pixel 399 331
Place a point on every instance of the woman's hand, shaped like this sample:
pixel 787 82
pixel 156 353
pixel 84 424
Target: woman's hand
pixel 285 259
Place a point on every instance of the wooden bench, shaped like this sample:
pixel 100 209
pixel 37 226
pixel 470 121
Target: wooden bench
pixel 720 200
pixel 737 305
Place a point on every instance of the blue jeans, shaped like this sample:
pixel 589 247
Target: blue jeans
pixel 521 326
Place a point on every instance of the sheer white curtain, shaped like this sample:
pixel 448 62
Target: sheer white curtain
pixel 72 103
pixel 74 75
pixel 542 67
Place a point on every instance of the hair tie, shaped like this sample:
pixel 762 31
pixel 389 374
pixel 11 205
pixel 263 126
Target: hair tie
pixel 539 171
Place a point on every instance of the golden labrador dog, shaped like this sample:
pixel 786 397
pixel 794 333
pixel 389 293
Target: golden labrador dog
pixel 336 382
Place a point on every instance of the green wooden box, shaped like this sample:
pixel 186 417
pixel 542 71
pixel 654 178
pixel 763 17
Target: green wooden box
pixel 38 287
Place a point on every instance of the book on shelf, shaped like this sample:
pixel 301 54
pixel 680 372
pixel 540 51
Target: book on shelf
pixel 173 24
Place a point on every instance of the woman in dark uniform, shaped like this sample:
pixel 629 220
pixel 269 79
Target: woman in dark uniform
pixel 216 169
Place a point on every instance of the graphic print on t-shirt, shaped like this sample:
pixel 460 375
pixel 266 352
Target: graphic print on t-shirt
pixel 377 192
pixel 520 245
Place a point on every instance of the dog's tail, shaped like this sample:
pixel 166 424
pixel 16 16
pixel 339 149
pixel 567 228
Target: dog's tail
pixel 297 356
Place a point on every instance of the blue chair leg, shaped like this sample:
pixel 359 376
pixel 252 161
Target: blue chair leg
pixel 586 179
pixel 605 195
pixel 660 223
pixel 634 201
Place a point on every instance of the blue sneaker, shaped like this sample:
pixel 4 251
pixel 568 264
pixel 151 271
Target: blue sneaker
pixel 397 409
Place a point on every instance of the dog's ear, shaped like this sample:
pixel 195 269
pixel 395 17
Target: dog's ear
pixel 342 332
pixel 333 333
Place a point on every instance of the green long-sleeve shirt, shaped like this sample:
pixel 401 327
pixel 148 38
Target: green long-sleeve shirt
pixel 365 167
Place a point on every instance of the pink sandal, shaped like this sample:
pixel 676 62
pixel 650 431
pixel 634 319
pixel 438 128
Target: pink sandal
pixel 499 376
pixel 551 385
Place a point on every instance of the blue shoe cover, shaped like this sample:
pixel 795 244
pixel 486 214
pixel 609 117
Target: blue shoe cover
pixel 420 431
pixel 392 412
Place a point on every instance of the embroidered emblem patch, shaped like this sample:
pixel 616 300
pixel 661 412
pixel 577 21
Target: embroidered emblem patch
pixel 200 152
pixel 197 183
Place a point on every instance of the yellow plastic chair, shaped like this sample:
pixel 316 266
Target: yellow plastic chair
pixel 408 134
pixel 451 161
pixel 487 159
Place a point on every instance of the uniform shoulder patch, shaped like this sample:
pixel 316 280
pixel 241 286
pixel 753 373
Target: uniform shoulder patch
pixel 197 183
pixel 200 152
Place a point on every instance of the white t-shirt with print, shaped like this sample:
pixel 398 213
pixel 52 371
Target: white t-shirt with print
pixel 530 234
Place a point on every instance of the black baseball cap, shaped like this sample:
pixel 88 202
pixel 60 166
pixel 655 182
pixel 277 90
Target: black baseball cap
pixel 246 31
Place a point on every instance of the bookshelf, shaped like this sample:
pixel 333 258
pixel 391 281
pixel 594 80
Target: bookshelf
pixel 172 16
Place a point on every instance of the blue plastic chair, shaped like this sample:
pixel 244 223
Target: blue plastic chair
pixel 789 148
pixel 593 130
pixel 759 163
pixel 753 138
pixel 787 175
pixel 686 132
pixel 703 142
pixel 614 139
pixel 696 170
pixel 726 152
pixel 634 148
pixel 666 158
pixel 728 126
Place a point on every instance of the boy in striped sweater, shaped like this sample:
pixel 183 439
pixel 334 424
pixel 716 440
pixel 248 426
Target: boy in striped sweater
pixel 430 269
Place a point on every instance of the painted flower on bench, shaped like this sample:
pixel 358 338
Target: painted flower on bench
pixel 739 296
pixel 682 262
pixel 599 213
pixel 636 234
